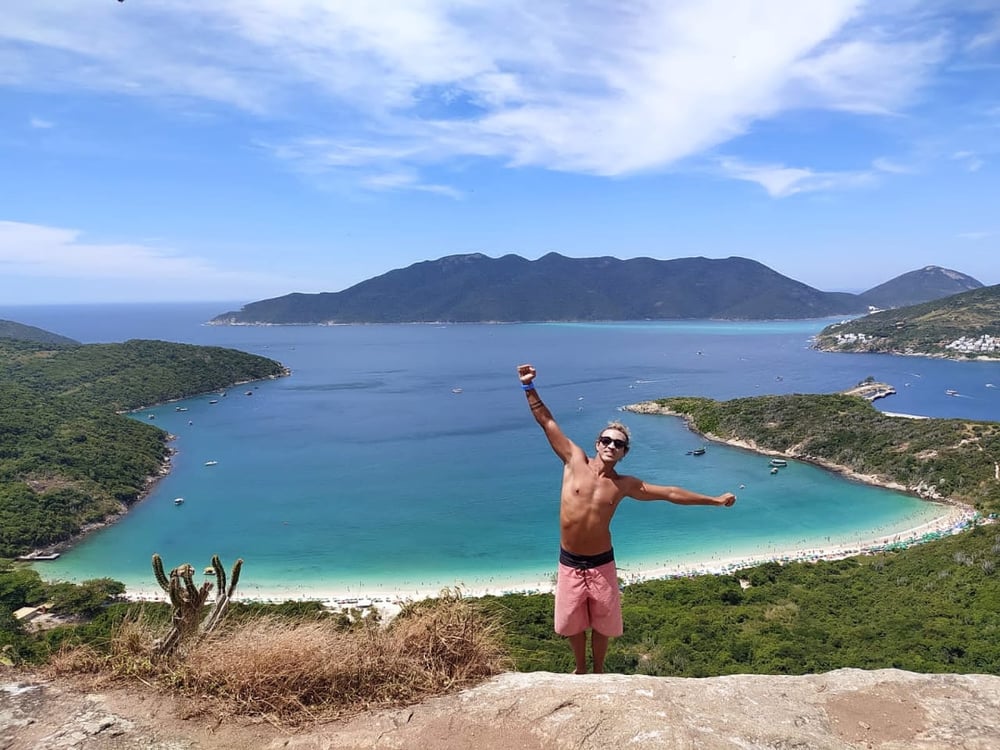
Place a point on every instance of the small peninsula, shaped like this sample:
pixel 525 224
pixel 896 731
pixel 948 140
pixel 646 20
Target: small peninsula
pixel 937 459
pixel 69 458
pixel 962 326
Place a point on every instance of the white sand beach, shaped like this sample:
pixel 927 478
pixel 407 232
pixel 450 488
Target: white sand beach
pixel 389 597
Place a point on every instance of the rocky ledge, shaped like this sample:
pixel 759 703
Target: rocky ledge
pixel 847 709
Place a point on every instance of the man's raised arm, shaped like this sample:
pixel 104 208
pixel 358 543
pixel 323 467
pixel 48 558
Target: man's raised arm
pixel 561 444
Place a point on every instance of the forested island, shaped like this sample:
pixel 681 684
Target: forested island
pixel 476 288
pixel 69 457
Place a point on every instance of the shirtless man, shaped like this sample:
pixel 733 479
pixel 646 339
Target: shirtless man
pixel 587 595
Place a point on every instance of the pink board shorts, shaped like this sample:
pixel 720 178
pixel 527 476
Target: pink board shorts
pixel 588 597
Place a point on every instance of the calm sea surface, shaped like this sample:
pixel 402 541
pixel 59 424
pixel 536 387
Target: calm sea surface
pixel 364 470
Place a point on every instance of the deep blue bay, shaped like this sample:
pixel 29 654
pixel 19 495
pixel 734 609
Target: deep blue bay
pixel 365 472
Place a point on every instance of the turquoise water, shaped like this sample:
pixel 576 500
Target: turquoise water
pixel 364 470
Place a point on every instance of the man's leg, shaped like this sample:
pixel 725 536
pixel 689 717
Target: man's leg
pixel 599 645
pixel 579 644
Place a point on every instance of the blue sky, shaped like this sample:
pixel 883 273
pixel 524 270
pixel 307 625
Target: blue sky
pixel 155 150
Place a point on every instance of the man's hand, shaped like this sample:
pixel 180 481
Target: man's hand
pixel 727 499
pixel 526 373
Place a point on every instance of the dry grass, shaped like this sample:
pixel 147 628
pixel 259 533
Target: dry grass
pixel 293 672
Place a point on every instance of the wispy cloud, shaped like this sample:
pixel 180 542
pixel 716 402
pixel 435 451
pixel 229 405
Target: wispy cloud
pixel 40 124
pixel 407 181
pixel 596 88
pixel 988 37
pixel 974 236
pixel 780 181
pixel 36 251
pixel 969 160
pixel 892 167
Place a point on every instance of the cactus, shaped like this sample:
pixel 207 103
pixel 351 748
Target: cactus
pixel 189 600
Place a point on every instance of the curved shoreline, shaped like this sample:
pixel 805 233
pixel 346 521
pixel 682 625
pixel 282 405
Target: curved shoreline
pixel 388 595
pixel 921 491
pixel 150 482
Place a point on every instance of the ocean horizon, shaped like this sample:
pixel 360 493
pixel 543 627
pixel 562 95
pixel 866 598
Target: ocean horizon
pixel 403 457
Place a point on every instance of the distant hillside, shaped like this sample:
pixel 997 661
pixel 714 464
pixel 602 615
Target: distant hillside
pixel 963 325
pixel 20 332
pixel 476 288
pixel 923 285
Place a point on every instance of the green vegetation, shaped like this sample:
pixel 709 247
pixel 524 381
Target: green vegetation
pixel 930 608
pixel 11 330
pixel 927 328
pixel 67 458
pixel 950 457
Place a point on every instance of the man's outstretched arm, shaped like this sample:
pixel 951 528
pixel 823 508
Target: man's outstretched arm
pixel 641 490
pixel 561 444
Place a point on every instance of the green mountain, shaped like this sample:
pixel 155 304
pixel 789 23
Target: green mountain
pixel 962 325
pixel 476 288
pixel 20 332
pixel 923 285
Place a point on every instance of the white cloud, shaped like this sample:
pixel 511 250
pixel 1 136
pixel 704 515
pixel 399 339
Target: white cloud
pixel 598 87
pixel 974 236
pixel 32 251
pixel 865 75
pixel 781 181
pixel 39 123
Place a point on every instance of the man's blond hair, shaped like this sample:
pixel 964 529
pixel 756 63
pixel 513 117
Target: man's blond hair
pixel 613 425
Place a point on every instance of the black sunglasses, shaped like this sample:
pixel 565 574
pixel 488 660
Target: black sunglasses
pixel 606 441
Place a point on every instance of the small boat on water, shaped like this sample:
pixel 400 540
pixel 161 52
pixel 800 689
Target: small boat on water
pixel 951 392
pixel 180 408
pixel 178 501
pixel 779 462
pixel 774 469
pixel 697 452
pixel 36 556
pixel 211 463
pixel 456 390
pixel 213 401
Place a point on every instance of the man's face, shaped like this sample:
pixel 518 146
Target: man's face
pixel 612 444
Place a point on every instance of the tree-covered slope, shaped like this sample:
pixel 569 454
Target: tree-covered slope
pixel 948 457
pixel 10 329
pixel 962 325
pixel 66 457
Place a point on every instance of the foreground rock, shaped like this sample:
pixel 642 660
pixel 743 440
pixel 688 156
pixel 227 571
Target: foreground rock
pixel 845 709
